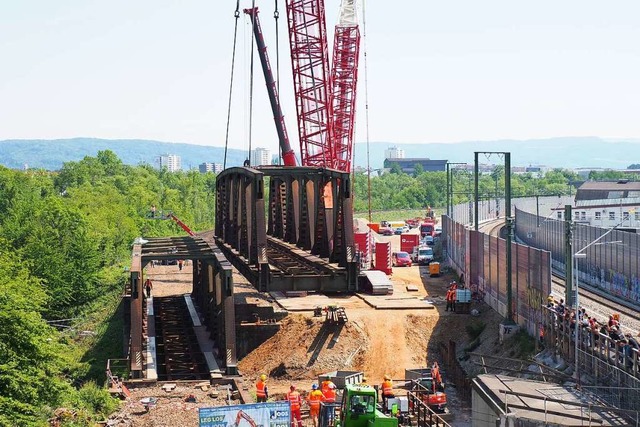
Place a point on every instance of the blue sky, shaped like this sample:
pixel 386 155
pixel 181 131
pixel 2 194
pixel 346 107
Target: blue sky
pixel 438 71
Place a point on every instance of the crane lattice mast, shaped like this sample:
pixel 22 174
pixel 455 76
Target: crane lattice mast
pixel 344 79
pixel 310 64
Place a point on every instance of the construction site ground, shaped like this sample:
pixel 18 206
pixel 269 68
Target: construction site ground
pixel 375 341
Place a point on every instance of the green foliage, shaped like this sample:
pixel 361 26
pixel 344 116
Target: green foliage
pixel 400 191
pixel 66 239
pixel 524 343
pixel 612 176
pixel 28 347
pixel 475 329
pixel 93 402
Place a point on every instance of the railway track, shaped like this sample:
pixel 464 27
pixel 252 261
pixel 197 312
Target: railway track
pixel 295 262
pixel 595 301
pixel 178 353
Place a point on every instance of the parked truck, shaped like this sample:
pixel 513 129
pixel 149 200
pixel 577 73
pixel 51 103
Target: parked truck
pixel 428 228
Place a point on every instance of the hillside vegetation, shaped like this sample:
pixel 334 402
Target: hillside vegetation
pixel 66 240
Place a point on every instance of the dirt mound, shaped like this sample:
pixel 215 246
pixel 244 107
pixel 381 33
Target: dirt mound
pixel 303 348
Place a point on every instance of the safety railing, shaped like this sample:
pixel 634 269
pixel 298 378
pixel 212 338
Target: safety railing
pixel 117 371
pixel 421 413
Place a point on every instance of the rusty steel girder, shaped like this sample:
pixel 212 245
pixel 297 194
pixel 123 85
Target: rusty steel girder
pixel 309 208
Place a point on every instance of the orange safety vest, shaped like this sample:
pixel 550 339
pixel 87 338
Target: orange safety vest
pixel 451 295
pixel 261 389
pixel 435 374
pixel 330 395
pixel 387 388
pixel 294 400
pixel 325 386
pixel 315 397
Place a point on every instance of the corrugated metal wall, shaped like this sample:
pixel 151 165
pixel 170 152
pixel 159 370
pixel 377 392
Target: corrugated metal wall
pixel 483 258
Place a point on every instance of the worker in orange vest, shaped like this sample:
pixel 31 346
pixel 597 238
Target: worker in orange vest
pixel 330 393
pixel 436 378
pixel 450 299
pixel 387 390
pixel 314 399
pixel 324 385
pixel 262 393
pixel 296 402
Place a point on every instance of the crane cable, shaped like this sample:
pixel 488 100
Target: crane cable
pixel 366 103
pixel 233 61
pixel 276 15
pixel 253 24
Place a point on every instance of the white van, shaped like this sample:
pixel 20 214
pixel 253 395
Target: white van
pixel 422 254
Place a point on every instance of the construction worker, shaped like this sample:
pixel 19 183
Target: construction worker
pixel 330 395
pixel 436 378
pixel 296 403
pixel 324 385
pixel 387 390
pixel 148 286
pixel 262 393
pixel 314 399
pixel 451 295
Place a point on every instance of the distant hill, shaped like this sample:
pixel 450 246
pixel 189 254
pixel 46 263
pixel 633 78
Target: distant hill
pixel 51 154
pixel 570 152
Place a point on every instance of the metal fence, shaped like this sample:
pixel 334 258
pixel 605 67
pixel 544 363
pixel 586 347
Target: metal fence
pixel 612 367
pixel 612 265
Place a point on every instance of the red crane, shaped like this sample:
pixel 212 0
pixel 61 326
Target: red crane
pixel 325 98
pixel 344 79
pixel 288 156
pixel 310 64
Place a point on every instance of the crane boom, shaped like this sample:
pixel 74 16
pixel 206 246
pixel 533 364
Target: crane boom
pixel 344 80
pixel 182 225
pixel 288 156
pixel 310 64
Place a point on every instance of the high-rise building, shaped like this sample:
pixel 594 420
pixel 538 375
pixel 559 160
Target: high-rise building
pixel 172 162
pixel 260 156
pixel 210 167
pixel 394 153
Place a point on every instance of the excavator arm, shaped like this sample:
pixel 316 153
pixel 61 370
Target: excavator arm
pixel 243 415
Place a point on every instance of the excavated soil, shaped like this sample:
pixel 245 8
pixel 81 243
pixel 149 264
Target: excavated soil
pixel 377 342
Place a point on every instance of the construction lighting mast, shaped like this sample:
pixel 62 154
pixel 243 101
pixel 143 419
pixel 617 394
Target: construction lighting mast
pixel 310 64
pixel 344 79
pixel 288 156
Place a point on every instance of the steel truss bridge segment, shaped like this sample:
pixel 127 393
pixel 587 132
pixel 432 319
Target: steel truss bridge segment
pixel 178 353
pixel 308 210
pixel 212 291
pixel 310 66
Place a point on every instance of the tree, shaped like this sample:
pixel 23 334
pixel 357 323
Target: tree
pixel 395 168
pixel 417 170
pixel 29 361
